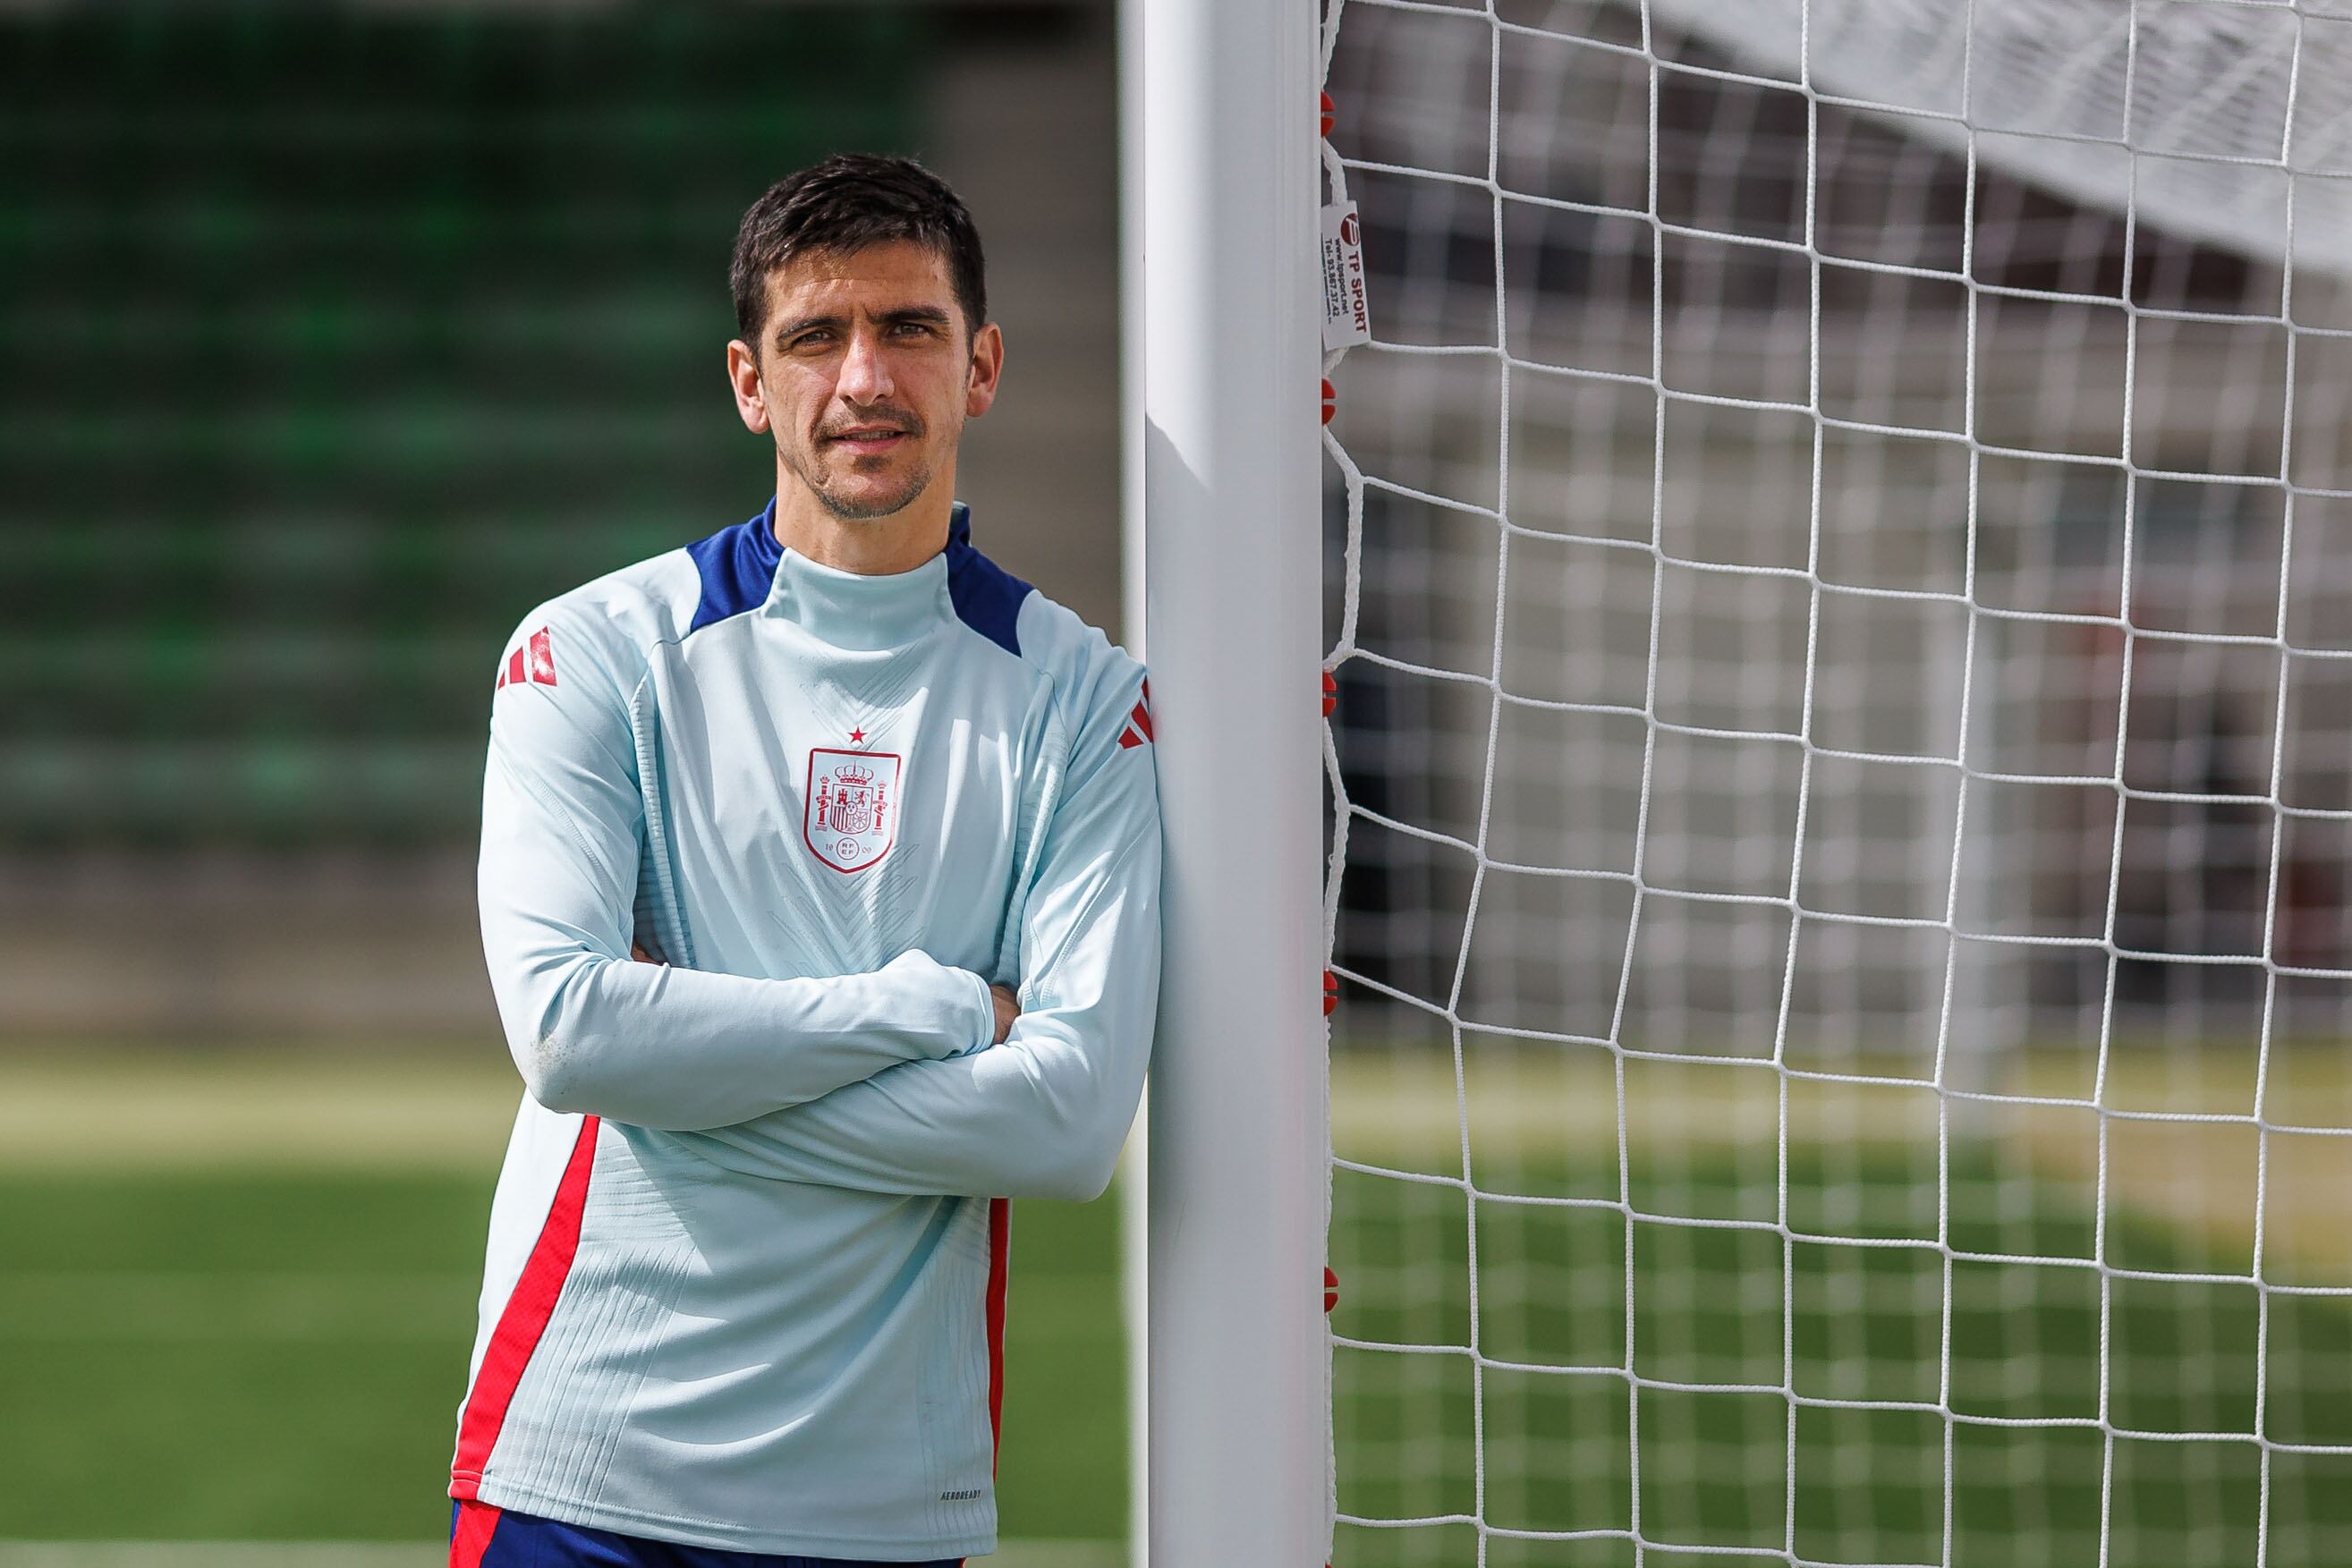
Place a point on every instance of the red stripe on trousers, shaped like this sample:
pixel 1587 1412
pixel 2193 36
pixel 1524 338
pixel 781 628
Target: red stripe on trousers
pixel 524 1319
pixel 476 1522
pixel 1000 1261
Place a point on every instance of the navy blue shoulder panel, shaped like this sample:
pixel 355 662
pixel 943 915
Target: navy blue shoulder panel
pixel 987 597
pixel 737 566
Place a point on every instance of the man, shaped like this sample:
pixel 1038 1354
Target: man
pixel 845 784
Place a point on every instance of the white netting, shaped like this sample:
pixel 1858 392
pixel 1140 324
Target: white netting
pixel 1843 769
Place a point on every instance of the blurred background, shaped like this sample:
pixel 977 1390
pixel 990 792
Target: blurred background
pixel 1841 576
pixel 332 338
pixel 1844 730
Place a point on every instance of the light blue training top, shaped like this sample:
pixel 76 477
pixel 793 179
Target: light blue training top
pixel 745 1278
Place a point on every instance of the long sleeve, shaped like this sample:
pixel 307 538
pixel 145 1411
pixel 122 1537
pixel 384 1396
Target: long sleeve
pixel 652 1045
pixel 1043 1113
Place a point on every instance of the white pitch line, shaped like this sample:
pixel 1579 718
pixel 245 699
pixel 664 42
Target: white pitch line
pixel 99 1304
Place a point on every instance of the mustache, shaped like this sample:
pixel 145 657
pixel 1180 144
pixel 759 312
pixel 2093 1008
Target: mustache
pixel 903 425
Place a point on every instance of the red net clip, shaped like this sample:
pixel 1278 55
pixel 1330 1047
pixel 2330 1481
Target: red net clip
pixel 1330 1288
pixel 1330 401
pixel 1327 114
pixel 1330 694
pixel 1330 992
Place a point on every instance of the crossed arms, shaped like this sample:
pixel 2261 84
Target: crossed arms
pixel 900 1081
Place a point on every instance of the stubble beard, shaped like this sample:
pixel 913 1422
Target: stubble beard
pixel 819 480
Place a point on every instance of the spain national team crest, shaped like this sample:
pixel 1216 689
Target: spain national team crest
pixel 853 807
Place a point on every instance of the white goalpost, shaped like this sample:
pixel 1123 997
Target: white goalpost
pixel 1832 552
pixel 1238 1378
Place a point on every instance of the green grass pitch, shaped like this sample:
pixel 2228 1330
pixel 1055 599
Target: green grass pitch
pixel 236 1298
pixel 192 1354
pixel 1724 1317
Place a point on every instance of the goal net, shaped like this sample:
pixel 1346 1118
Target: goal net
pixel 1840 551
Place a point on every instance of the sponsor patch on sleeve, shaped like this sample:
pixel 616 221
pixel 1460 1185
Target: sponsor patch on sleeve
pixel 532 659
pixel 1138 722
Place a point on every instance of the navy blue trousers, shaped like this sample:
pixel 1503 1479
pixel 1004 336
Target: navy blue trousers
pixel 481 1536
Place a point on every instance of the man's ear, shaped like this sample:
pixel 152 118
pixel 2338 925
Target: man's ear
pixel 987 366
pixel 743 376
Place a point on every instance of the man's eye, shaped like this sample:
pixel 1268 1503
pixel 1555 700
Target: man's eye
pixel 914 329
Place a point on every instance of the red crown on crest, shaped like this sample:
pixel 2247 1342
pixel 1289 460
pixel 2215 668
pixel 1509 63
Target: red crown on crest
pixel 854 775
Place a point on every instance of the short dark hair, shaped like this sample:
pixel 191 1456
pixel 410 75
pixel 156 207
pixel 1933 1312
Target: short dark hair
pixel 844 204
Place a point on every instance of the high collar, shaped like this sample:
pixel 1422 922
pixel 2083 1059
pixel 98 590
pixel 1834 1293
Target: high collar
pixel 860 611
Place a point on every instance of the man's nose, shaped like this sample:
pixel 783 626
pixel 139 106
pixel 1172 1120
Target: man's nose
pixel 864 373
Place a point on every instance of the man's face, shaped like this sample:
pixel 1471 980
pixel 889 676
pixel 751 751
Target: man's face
pixel 866 373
